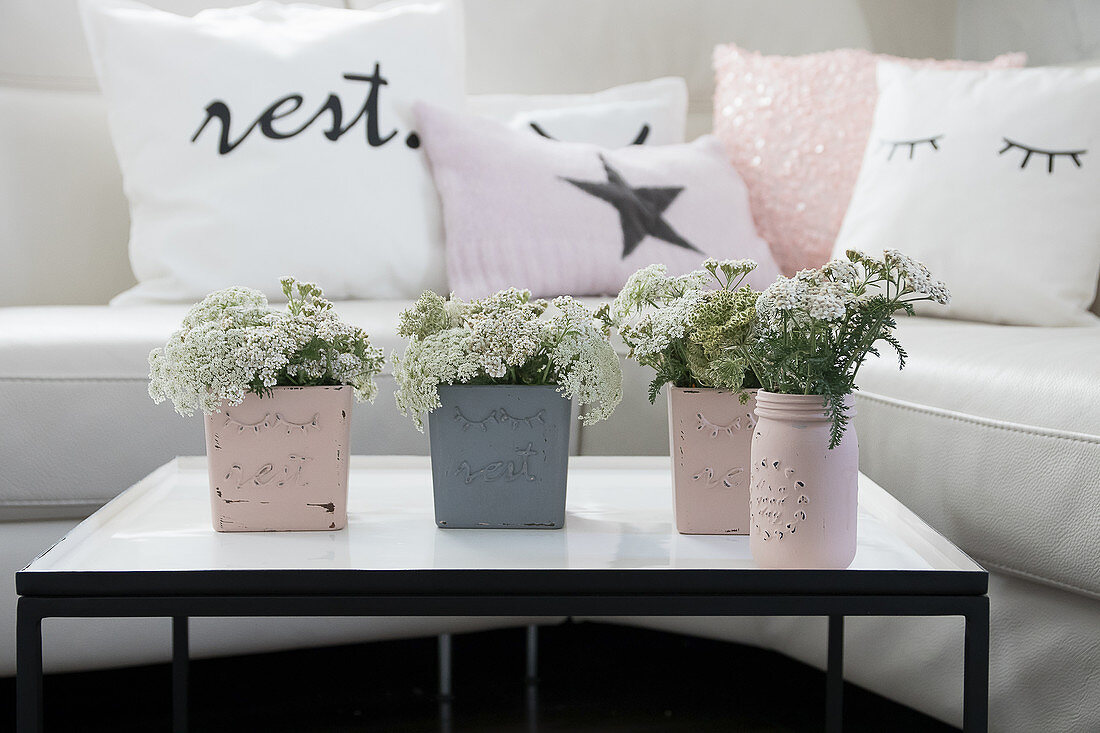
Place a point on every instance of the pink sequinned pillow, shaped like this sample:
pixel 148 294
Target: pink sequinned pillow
pixel 796 128
pixel 563 218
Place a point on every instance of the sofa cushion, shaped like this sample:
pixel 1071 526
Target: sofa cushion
pixel 1046 377
pixel 992 435
pixel 79 425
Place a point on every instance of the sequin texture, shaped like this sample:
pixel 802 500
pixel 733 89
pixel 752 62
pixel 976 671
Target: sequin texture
pixel 795 127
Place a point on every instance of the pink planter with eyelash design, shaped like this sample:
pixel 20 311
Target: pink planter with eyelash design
pixel 710 431
pixel 280 462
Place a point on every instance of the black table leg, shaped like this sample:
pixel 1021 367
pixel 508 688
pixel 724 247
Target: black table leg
pixel 834 677
pixel 532 701
pixel 445 680
pixel 976 667
pixel 446 685
pixel 28 661
pixel 180 662
pixel 532 654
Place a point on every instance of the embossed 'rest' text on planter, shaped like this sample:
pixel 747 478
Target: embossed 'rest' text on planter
pixel 710 431
pixel 500 456
pixel 280 462
pixel 803 496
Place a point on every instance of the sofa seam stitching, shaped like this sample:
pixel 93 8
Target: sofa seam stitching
pixel 1041 580
pixel 980 422
pixel 37 502
pixel 983 422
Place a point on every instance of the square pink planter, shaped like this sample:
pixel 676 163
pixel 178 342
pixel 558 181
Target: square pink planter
pixel 710 438
pixel 281 462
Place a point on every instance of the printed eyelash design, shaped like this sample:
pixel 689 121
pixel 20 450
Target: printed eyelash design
pixel 638 140
pixel 895 144
pixel 1074 155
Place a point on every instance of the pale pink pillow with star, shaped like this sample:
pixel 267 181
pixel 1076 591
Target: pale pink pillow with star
pixel 561 218
pixel 795 127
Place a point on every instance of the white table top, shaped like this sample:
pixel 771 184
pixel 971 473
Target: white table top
pixel 618 518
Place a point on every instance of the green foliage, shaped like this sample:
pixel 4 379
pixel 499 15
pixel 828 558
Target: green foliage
pixel 691 329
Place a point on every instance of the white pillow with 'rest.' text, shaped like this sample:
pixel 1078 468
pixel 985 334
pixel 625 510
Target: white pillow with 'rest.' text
pixel 270 140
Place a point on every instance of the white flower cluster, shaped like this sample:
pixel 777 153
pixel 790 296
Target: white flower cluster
pixel 811 295
pixel 504 331
pixel 587 366
pixel 916 277
pixel 651 287
pixel 656 330
pixel 829 294
pixel 506 338
pixel 233 343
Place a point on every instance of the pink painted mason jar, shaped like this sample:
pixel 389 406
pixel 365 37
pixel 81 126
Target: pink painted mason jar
pixel 802 495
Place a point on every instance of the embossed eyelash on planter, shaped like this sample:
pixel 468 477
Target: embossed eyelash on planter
pixel 500 456
pixel 280 462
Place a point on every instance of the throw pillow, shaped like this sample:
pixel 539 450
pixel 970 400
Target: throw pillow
pixel 271 139
pixel 572 218
pixel 991 178
pixel 610 125
pixel 652 113
pixel 795 128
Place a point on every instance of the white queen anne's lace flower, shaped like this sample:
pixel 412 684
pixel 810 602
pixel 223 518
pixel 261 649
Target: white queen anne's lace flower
pixel 507 338
pixel 233 343
pixel 690 329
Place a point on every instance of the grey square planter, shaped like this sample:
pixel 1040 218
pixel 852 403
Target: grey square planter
pixel 500 456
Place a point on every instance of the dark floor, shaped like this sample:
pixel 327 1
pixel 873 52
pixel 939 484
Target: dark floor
pixel 593 677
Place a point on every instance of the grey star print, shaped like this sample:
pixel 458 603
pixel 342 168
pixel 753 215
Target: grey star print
pixel 640 209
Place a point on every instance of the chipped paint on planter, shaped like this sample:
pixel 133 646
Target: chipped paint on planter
pixel 280 462
pixel 710 433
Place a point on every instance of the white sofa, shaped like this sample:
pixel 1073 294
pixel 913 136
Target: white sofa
pixel 992 433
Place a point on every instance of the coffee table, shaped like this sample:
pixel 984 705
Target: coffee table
pixel 151 552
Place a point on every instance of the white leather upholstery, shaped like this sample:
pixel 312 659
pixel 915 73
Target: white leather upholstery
pixel 1047 377
pixel 77 377
pixel 992 435
pixel 113 343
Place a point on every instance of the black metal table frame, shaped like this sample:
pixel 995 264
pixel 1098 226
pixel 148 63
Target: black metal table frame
pixel 974 609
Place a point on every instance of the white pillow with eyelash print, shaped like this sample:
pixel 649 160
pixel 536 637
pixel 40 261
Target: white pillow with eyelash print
pixel 992 179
